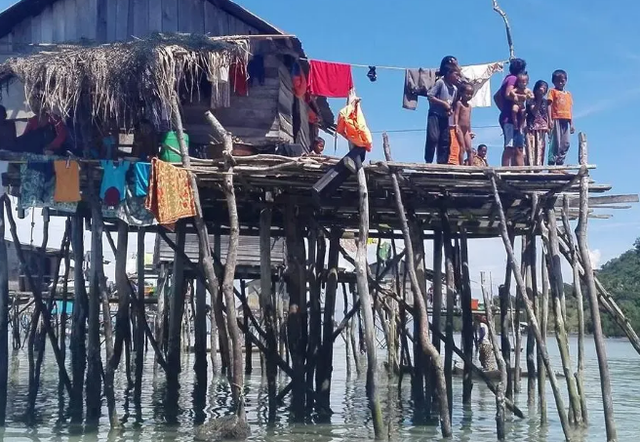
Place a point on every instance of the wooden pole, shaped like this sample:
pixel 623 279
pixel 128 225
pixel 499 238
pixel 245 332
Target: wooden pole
pixel 419 299
pixel 297 318
pixel 543 313
pixel 366 304
pixel 532 293
pixel 451 296
pixel 420 359
pixel 77 343
pixel 325 362
pixel 504 294
pixel 248 347
pixel 317 252
pixel 534 323
pixel 437 309
pixel 577 290
pixel 268 309
pixel 517 302
pixel 139 335
pixel 502 366
pixel 94 364
pixel 550 236
pixel 467 318
pixel 123 320
pixel 583 246
pixel 62 333
pixel 200 364
pixel 176 309
pixel 4 320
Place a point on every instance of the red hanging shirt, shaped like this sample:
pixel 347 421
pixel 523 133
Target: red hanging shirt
pixel 330 79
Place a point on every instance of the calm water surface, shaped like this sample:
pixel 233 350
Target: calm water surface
pixel 153 421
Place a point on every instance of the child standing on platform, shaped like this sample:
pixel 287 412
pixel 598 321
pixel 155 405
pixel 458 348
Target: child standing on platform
pixel 462 125
pixel 441 98
pixel 537 124
pixel 561 119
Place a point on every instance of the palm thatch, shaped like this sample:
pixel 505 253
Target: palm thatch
pixel 119 81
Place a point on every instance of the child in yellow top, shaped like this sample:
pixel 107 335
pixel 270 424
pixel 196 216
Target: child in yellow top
pixel 561 118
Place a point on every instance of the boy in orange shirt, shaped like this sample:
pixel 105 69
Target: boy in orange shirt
pixel 561 119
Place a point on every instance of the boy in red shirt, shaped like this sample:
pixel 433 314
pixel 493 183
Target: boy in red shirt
pixel 561 118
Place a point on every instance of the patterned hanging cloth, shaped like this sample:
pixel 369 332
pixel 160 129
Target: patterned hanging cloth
pixel 170 195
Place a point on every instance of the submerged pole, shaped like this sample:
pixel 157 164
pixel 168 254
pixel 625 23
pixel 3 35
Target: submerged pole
pixel 598 336
pixel 467 318
pixel 77 343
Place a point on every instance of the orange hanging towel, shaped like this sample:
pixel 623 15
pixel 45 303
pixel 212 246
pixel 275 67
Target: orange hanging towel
pixel 170 195
pixel 67 181
pixel 353 126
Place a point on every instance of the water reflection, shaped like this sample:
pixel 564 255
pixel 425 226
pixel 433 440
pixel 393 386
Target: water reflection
pixel 164 415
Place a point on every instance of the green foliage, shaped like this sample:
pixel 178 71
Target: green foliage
pixel 621 277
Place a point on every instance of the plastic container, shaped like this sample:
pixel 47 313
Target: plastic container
pixel 170 150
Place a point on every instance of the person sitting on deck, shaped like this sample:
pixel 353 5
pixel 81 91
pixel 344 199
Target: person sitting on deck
pixel 480 159
pixel 45 133
pixel 318 146
pixel 7 129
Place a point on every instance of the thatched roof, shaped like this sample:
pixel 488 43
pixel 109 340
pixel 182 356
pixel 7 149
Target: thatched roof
pixel 117 81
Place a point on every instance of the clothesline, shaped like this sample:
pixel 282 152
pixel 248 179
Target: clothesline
pixel 393 68
pixel 395 131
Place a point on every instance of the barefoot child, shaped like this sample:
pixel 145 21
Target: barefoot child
pixel 521 93
pixel 441 99
pixel 537 124
pixel 561 119
pixel 462 122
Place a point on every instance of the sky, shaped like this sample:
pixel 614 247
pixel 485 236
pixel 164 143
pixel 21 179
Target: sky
pixel 594 43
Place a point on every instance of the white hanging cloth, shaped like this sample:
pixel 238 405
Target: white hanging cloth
pixel 480 77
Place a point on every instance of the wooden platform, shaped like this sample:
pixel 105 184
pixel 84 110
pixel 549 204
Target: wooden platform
pixel 464 192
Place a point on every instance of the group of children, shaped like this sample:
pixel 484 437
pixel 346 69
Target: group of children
pixel 526 117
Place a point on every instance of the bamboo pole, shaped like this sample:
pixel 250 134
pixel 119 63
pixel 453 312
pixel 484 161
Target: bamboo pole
pixel 4 319
pixel 502 366
pixel 534 323
pixel 550 236
pixel 577 290
pixel 366 304
pixel 419 301
pixel 583 246
pixel 467 317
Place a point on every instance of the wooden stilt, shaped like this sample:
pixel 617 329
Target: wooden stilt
pixel 419 301
pixel 532 294
pixel 420 359
pixel 268 310
pixel 123 320
pixel 297 317
pixel 4 319
pixel 139 344
pixel 325 361
pixel 317 252
pixel 200 323
pixel 366 305
pixel 451 296
pixel 467 318
pixel 94 367
pixel 502 366
pixel 577 290
pixel 583 246
pixel 504 293
pixel 347 331
pixel 517 303
pixel 437 309
pixel 534 323
pixel 176 308
pixel 550 237
pixel 543 313
pixel 79 319
pixel 62 330
pixel 248 362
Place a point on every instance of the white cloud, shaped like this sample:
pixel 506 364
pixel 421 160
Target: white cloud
pixel 596 257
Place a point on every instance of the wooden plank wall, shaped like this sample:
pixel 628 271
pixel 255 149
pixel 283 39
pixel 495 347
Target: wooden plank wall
pixel 116 20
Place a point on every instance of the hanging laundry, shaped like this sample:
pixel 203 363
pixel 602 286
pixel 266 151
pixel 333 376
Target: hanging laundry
pixel 133 211
pixel 67 188
pixel 255 69
pixel 299 80
pixel 35 175
pixel 141 173
pixel 352 125
pixel 372 74
pixel 113 182
pixel 417 82
pixel 239 79
pixel 330 79
pixel 220 88
pixel 170 196
pixel 479 76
